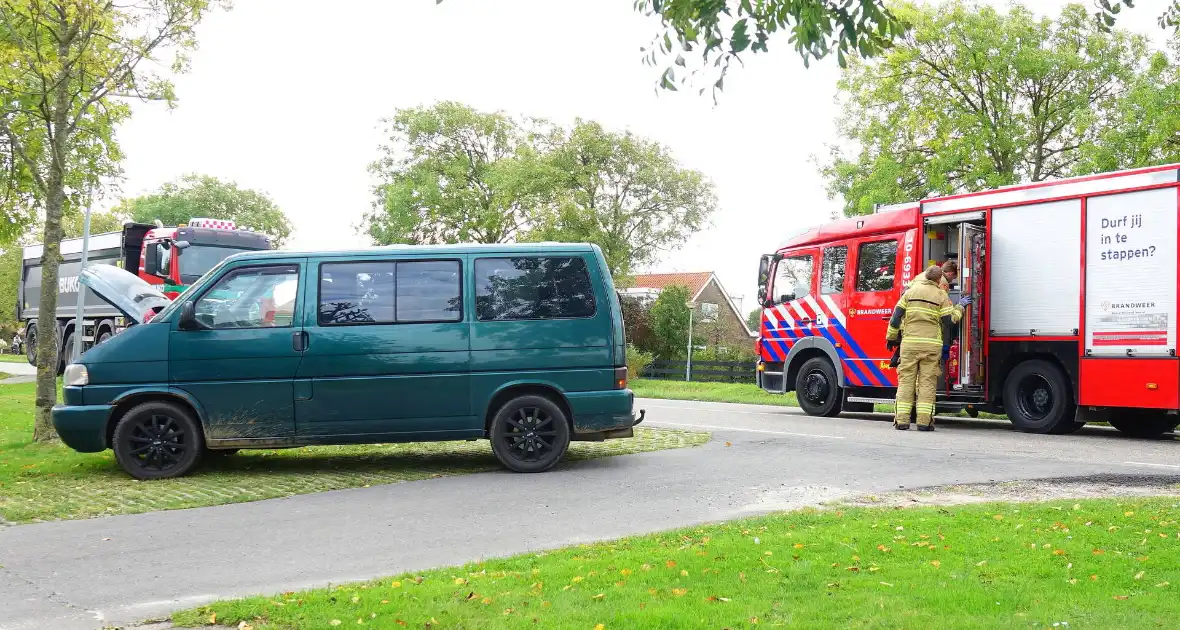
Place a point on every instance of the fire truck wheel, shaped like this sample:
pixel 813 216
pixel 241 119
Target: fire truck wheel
pixel 1143 423
pixel 1037 398
pixel 817 389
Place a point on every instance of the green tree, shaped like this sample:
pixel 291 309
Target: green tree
pixel 973 98
pixel 100 222
pixel 669 323
pixel 68 69
pixel 1108 9
pixel 194 196
pixel 754 319
pixel 1145 128
pixel 626 194
pixel 719 32
pixel 451 174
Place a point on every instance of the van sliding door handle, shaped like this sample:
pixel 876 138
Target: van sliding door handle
pixel 299 340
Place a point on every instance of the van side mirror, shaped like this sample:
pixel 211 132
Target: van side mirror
pixel 188 317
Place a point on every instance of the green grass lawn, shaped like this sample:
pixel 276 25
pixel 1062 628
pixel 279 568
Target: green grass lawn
pixel 1086 564
pixel 13 358
pixel 43 482
pixel 746 393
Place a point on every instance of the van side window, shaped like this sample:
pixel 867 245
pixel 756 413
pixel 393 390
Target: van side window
pixel 356 293
pixel 792 276
pixel 256 297
pixel 532 287
pixel 831 274
pixel 428 291
pixel 876 266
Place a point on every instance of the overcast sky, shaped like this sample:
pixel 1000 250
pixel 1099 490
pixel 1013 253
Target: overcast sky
pixel 285 96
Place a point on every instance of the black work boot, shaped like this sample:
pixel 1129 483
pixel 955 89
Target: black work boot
pixel 901 427
pixel 925 427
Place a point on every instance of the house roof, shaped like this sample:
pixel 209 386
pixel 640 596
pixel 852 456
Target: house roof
pixel 695 281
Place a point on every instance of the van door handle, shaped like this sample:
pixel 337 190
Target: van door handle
pixel 300 340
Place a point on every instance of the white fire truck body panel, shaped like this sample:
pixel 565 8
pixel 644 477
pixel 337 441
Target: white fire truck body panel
pixel 1035 275
pixel 1131 274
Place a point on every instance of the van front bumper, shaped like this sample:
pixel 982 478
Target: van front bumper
pixel 82 427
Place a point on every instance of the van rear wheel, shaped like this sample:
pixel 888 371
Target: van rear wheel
pixel 817 389
pixel 158 440
pixel 530 434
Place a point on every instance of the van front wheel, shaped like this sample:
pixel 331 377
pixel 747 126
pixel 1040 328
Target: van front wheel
pixel 158 440
pixel 530 434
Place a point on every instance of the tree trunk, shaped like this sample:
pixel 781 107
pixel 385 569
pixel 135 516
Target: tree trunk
pixel 47 341
pixel 55 199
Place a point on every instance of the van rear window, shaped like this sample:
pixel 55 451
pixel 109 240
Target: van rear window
pixel 533 287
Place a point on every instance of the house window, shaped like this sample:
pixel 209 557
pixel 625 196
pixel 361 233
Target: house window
pixel 709 312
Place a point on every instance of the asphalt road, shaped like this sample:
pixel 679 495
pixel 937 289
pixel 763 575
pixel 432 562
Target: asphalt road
pixel 85 574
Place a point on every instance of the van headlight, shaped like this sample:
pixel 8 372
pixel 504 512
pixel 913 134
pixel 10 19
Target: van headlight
pixel 76 375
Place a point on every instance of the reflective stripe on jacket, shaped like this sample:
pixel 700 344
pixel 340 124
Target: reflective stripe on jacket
pixel 921 314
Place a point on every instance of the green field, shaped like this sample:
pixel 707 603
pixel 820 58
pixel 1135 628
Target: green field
pixel 744 393
pixel 13 358
pixel 1063 564
pixel 51 481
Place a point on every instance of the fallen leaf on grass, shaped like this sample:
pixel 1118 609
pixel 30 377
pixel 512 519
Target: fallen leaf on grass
pixel 885 584
pixel 1059 552
pixel 683 573
pixel 935 563
pixel 799 545
pixel 729 443
pixel 1094 578
pixel 599 627
pixel 625 572
pixel 1120 597
pixel 679 592
pixel 1162 585
pixel 245 626
pixel 334 622
pixel 1139 575
pixel 577 578
pixel 1128 514
pixel 999 517
pixel 882 548
pixel 670 564
pixel 395 584
pixel 599 597
pixel 1098 552
pixel 213 619
pixel 981 563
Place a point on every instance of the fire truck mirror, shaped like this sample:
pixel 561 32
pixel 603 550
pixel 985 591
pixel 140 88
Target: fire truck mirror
pixel 163 259
pixel 182 244
pixel 763 272
pixel 150 261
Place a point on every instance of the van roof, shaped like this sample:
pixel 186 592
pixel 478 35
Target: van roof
pixel 464 248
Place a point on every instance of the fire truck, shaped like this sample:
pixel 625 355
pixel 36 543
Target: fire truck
pixel 1073 315
pixel 169 257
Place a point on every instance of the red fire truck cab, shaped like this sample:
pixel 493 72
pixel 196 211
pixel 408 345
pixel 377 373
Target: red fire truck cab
pixel 1073 319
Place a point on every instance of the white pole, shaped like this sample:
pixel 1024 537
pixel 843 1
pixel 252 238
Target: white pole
pixel 79 329
pixel 688 365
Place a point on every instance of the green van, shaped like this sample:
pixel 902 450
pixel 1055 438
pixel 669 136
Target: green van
pixel 520 344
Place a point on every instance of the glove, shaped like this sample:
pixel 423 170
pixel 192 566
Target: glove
pixel 965 300
pixel 891 345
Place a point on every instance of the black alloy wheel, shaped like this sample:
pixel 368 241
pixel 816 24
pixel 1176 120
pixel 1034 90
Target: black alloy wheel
pixel 530 434
pixel 158 440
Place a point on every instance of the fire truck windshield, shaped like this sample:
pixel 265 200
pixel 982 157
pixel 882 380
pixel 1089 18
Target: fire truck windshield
pixel 196 260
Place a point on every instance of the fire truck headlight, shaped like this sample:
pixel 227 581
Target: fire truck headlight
pixel 76 375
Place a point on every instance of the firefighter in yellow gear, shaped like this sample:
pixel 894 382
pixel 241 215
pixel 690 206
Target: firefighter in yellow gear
pixel 922 317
